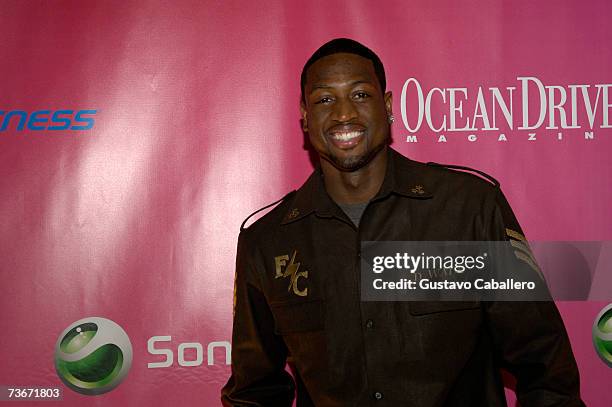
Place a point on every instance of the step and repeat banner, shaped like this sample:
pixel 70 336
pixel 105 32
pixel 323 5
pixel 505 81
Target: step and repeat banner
pixel 136 136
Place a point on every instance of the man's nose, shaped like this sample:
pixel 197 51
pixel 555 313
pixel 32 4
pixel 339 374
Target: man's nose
pixel 344 110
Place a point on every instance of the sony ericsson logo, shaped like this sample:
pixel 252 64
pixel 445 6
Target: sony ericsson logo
pixel 93 355
pixel 602 334
pixel 47 120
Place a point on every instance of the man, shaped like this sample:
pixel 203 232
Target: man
pixel 297 291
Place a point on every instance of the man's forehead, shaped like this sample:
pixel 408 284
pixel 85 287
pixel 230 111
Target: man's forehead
pixel 340 68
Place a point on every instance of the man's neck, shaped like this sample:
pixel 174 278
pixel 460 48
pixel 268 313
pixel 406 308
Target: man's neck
pixel 356 186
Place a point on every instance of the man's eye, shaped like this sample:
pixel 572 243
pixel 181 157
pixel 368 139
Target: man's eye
pixel 323 100
pixel 361 95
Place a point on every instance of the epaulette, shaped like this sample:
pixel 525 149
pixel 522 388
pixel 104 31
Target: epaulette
pixel 462 168
pixel 265 207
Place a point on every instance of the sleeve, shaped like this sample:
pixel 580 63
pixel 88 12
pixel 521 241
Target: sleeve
pixel 258 355
pixel 530 337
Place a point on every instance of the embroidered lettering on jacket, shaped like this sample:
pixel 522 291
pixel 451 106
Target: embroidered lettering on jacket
pixel 291 270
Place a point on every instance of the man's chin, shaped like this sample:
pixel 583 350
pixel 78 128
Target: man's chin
pixel 353 162
pixel 349 164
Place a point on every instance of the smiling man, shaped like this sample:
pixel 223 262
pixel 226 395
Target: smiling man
pixel 297 291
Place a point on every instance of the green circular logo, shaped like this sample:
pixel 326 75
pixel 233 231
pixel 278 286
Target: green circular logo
pixel 93 355
pixel 602 334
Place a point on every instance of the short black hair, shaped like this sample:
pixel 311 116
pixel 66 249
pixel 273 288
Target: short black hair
pixel 345 45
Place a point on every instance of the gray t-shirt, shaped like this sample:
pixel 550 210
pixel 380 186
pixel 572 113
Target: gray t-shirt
pixel 354 211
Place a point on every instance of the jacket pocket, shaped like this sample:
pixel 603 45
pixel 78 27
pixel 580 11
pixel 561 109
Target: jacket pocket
pixel 432 307
pixel 299 316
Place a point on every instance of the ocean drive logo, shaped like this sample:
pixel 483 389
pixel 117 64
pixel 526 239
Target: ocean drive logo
pixel 529 108
pixel 602 335
pixel 93 355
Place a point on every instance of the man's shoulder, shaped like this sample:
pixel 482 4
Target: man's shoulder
pixel 273 214
pixel 446 178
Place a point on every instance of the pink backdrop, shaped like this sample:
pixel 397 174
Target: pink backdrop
pixel 197 125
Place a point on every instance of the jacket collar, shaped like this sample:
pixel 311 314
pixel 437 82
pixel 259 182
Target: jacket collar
pixel 402 177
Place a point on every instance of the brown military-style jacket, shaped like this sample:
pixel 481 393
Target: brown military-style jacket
pixel 297 296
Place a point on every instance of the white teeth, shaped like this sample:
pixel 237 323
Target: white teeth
pixel 347 136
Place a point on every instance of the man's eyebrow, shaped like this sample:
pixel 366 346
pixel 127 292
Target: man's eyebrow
pixel 353 83
pixel 318 86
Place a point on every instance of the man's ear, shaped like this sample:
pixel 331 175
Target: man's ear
pixel 389 103
pixel 304 114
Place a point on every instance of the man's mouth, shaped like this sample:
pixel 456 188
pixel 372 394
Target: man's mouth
pixel 345 139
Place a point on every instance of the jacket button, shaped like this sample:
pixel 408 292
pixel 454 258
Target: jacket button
pixel 378 395
pixel 369 324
